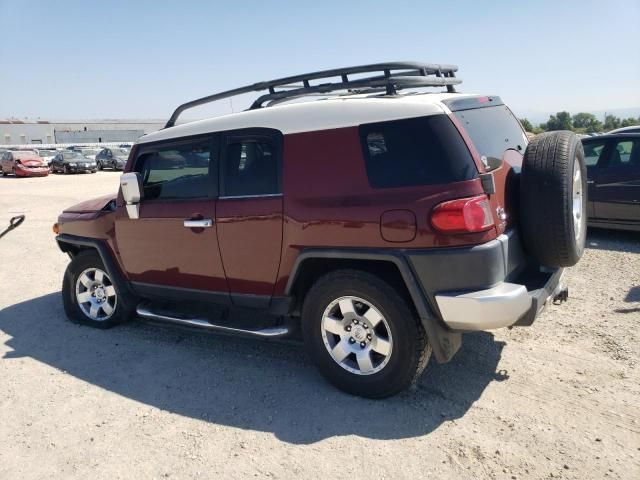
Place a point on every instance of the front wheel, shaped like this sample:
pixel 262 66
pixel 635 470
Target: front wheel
pixel 362 335
pixel 90 296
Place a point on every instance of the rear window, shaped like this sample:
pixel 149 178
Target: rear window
pixel 493 130
pixel 416 151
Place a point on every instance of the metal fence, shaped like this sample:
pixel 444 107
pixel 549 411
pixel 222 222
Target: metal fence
pixel 61 146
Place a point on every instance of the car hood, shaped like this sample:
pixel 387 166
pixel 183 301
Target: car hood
pixel 93 205
pixel 32 162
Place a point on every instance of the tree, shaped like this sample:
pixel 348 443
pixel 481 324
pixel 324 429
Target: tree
pixel 526 124
pixel 583 120
pixel 629 122
pixel 586 121
pixel 594 127
pixel 611 122
pixel 559 121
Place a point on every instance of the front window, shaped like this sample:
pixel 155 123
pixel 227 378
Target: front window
pixel 178 172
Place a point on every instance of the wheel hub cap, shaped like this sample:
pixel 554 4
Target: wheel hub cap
pixel 359 333
pixel 356 335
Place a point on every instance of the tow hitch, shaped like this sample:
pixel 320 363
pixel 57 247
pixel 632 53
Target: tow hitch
pixel 561 296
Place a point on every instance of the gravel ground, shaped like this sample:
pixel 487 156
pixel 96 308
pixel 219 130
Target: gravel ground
pixel 556 400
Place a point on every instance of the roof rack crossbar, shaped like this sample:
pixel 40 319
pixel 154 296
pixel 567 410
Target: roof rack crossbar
pixel 408 75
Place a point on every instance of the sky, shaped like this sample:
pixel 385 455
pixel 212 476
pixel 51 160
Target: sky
pixel 73 59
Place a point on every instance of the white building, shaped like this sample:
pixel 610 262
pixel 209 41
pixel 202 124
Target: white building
pixel 23 132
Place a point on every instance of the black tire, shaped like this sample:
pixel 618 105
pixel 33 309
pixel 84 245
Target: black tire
pixel 549 232
pixel 66 169
pixel 124 304
pixel 100 166
pixel 410 347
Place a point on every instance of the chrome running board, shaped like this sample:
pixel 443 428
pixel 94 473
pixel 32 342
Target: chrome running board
pixel 271 332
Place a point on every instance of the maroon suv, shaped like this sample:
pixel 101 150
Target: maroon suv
pixel 381 219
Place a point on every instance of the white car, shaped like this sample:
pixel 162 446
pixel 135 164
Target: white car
pixel 46 155
pixel 631 129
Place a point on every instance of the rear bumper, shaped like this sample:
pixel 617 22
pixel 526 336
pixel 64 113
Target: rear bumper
pixel 487 286
pixel 504 305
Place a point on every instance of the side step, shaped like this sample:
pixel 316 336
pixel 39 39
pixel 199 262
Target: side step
pixel 144 311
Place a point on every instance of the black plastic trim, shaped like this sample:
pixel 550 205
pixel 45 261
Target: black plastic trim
pixel 163 292
pixel 539 298
pixel 273 305
pixel 444 342
pixel 66 241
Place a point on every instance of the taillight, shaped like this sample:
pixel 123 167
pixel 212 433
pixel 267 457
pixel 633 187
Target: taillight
pixel 465 215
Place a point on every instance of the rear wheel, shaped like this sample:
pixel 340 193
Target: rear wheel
pixel 362 335
pixel 90 296
pixel 553 200
pixel 67 170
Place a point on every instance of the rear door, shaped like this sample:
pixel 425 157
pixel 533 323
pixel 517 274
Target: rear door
pixel 173 247
pixel 616 192
pixel 249 214
pixel 594 155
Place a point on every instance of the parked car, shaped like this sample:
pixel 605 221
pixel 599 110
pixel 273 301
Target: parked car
pixel 70 161
pixel 112 157
pixel 89 153
pixel 23 163
pixel 631 129
pixel 382 224
pixel 613 170
pixel 46 155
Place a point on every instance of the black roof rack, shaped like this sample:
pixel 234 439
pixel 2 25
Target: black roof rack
pixel 391 77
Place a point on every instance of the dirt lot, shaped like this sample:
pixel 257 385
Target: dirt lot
pixel 557 400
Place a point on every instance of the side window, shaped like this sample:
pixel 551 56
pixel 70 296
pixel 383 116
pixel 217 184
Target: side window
pixel 250 167
pixel 416 151
pixel 179 171
pixel 625 153
pixel 592 153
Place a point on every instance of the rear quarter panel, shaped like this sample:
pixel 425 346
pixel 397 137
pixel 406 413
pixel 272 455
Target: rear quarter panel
pixel 330 204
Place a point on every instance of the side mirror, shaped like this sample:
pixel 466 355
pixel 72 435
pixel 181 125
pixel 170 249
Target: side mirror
pixel 131 186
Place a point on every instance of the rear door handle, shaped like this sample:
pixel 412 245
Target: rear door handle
pixel 589 182
pixel 204 223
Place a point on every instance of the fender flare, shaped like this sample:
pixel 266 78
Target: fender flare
pixel 445 343
pixel 66 242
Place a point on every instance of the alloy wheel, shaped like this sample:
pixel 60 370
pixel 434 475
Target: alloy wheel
pixel 96 294
pixel 356 335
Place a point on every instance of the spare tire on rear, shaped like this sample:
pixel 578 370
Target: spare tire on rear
pixel 553 200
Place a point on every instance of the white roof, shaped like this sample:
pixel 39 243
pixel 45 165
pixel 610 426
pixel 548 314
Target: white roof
pixel 333 112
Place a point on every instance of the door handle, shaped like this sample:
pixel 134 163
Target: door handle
pixel 204 223
pixel 589 182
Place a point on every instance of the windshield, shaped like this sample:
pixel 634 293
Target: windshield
pixel 25 155
pixel 72 155
pixel 46 153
